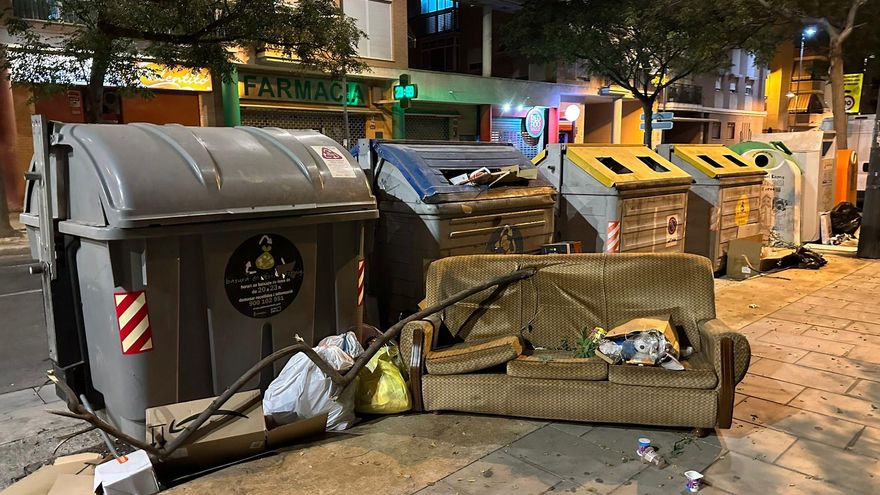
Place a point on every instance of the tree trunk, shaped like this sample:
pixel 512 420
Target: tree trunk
pixel 838 106
pixel 648 110
pixel 346 131
pixel 6 229
pixel 94 94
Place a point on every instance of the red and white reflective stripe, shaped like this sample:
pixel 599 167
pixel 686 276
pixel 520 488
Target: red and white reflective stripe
pixel 361 269
pixel 612 244
pixel 134 322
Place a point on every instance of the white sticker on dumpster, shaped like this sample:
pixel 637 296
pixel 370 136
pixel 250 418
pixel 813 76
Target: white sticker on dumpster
pixel 263 275
pixel 335 161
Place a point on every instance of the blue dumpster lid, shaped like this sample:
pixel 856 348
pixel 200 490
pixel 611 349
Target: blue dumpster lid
pixel 428 166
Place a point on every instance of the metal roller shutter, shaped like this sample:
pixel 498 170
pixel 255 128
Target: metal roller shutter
pixel 427 127
pixel 327 123
pixel 509 130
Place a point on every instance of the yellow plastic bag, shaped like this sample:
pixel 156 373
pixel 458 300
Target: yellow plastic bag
pixel 381 388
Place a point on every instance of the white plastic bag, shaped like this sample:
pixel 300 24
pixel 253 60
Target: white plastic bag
pixel 302 391
pixel 348 342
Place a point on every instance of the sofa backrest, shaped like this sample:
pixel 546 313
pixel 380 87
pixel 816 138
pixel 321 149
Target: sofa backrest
pixel 570 293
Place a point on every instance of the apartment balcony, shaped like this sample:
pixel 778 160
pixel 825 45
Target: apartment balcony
pixel 433 23
pixel 686 94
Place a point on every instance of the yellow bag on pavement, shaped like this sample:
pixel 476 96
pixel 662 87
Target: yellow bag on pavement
pixel 381 387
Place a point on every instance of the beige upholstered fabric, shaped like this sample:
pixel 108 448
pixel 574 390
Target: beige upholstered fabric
pixel 680 284
pixel 713 331
pixel 557 365
pixel 574 400
pixel 698 373
pixel 406 337
pixel 473 356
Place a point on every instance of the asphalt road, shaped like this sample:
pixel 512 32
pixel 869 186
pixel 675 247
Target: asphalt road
pixel 23 349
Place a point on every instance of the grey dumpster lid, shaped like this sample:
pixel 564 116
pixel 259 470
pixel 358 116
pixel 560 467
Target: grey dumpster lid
pixel 148 175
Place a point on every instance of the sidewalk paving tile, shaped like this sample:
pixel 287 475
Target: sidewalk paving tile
pixel 761 327
pixel 843 365
pixel 840 406
pixel 572 428
pixel 835 314
pixel 862 327
pixel 845 336
pixel 868 443
pixel 776 352
pixel 865 353
pixel 797 422
pixel 755 385
pixel 502 474
pixel 806 343
pixel 577 460
pixel 818 300
pixel 800 375
pixel 864 308
pixel 439 488
pixel 20 399
pixel 737 473
pixel 859 473
pixel 30 421
pixel 811 319
pixel 755 441
pixel 867 390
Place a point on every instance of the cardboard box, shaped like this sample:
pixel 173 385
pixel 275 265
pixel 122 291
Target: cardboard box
pixel 130 474
pixel 236 432
pixel 744 257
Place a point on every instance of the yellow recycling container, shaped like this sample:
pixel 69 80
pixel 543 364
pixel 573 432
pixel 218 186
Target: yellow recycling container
pixel 725 201
pixel 616 198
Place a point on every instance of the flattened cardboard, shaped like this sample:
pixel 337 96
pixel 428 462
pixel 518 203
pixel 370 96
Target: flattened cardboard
pixel 236 433
pixel 287 434
pixel 130 474
pixel 40 481
pixel 73 484
pixel 744 257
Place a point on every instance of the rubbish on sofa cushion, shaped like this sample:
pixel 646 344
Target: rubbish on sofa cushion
pixel 648 341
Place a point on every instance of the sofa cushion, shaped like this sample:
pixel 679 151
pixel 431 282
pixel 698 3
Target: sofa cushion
pixel 698 373
pixel 473 356
pixel 557 365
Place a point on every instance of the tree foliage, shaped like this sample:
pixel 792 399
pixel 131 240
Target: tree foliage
pixel 642 46
pixel 104 42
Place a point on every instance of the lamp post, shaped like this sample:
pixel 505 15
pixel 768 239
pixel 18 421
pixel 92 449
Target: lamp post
pixel 808 32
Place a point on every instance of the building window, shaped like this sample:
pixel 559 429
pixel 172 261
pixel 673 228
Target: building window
pixel 716 130
pixel 718 84
pixel 429 6
pixel 749 89
pixel 731 130
pixel 374 18
pixel 733 87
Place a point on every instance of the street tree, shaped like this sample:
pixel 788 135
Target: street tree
pixel 105 42
pixel 839 20
pixel 641 46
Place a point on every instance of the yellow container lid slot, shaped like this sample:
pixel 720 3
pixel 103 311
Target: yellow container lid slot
pixel 614 165
pixel 716 160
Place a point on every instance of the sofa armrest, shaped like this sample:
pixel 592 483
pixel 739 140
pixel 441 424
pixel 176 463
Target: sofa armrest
pixel 713 332
pixel 730 353
pixel 415 341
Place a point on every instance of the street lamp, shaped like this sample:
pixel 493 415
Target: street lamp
pixel 808 32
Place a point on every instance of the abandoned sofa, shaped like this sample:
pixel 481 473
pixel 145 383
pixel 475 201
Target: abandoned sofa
pixel 508 353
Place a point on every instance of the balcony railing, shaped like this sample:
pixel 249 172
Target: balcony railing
pixel 442 21
pixel 685 93
pixel 44 10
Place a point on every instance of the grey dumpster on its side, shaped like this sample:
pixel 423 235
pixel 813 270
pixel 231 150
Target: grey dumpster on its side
pixel 177 256
pixel 426 217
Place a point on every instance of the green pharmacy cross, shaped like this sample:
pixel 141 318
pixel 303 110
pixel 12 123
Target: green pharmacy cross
pixel 404 91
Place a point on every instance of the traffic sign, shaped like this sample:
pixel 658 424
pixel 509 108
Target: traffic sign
pixel 659 116
pixel 658 126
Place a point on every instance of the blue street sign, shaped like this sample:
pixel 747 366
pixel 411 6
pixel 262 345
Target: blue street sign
pixel 658 126
pixel 659 116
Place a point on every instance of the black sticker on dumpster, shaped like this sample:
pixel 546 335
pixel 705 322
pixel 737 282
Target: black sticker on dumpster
pixel 264 275
pixel 506 239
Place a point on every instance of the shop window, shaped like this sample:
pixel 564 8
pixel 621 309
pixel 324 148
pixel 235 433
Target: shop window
pixel 731 130
pixel 716 130
pixel 374 18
